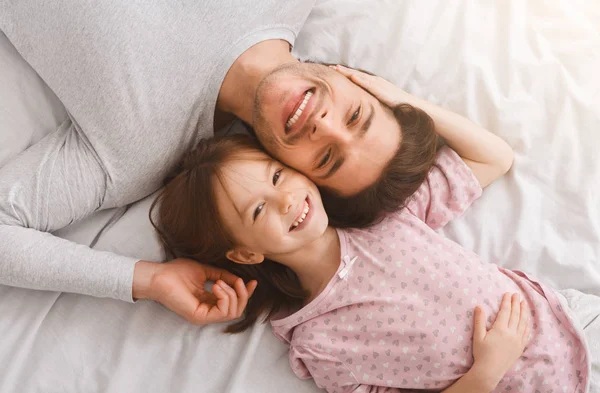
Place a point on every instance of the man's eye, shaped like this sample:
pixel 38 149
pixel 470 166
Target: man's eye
pixel 257 211
pixel 355 115
pixel 325 159
pixel 276 176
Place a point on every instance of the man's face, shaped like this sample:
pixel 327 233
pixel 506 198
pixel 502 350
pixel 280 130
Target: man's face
pixel 317 121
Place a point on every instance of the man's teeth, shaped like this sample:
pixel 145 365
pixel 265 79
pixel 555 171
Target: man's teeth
pixel 292 120
pixel 302 216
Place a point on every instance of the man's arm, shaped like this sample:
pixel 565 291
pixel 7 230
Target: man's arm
pixel 52 184
pixel 59 181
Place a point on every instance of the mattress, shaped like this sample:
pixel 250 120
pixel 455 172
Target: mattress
pixel 526 70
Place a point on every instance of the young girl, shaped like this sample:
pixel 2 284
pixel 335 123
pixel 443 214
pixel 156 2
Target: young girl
pixel 385 307
pixel 382 309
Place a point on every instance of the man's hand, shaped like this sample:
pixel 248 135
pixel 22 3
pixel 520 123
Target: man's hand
pixel 179 286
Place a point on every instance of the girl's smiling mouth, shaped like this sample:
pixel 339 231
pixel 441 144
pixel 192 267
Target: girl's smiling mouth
pixel 303 216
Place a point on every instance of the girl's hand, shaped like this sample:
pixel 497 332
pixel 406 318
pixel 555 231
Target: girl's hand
pixel 179 286
pixel 496 350
pixel 386 92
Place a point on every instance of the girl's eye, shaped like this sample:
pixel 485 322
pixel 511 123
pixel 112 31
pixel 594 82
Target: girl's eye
pixel 276 176
pixel 325 159
pixel 355 115
pixel 257 211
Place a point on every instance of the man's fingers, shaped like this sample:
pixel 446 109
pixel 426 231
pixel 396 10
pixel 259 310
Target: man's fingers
pixel 192 309
pixel 219 312
pixel 515 311
pixel 233 299
pixel 251 286
pixel 215 274
pixel 242 295
pixel 479 328
pixel 503 315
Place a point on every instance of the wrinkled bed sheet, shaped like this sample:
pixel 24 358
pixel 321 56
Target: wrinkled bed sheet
pixel 527 70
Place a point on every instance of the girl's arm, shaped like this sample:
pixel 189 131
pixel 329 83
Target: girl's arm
pixel 496 350
pixel 488 156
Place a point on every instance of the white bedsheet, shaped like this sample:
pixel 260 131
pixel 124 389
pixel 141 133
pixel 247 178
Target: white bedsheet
pixel 527 70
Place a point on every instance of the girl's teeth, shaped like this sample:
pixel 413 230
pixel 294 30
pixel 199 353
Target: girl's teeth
pixel 303 216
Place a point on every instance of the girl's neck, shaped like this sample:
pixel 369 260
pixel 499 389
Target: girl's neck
pixel 316 263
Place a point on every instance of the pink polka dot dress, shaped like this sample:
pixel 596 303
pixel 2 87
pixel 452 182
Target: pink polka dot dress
pixel 398 314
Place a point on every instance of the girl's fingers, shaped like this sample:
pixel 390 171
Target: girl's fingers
pixel 525 326
pixel 527 334
pixel 515 312
pixel 343 70
pixel 479 328
pixel 384 91
pixel 379 87
pixel 524 321
pixel 503 315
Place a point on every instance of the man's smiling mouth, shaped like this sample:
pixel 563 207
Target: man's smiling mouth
pixel 295 115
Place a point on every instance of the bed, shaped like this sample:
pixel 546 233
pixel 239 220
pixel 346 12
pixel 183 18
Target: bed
pixel 527 70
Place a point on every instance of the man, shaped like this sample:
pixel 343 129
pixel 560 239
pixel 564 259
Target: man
pixel 143 84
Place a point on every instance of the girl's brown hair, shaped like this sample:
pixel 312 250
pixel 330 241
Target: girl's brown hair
pixel 400 179
pixel 186 218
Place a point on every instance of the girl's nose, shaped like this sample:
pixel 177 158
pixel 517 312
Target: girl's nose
pixel 286 202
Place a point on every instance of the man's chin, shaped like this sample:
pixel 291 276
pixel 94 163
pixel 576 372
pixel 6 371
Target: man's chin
pixel 267 139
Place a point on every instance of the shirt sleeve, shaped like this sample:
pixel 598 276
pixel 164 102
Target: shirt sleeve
pixel 56 182
pixel 449 189
pixel 330 373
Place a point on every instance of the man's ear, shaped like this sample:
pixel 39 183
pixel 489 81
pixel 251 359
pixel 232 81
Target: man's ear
pixel 244 256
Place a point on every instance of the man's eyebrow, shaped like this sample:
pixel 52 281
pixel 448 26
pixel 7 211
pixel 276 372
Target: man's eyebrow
pixel 361 133
pixel 367 123
pixel 334 168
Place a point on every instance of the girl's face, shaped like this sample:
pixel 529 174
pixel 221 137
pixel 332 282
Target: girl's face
pixel 269 209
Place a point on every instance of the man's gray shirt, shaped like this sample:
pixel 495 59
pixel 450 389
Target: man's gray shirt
pixel 140 80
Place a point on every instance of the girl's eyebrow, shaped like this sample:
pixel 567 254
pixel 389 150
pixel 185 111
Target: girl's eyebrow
pixel 268 170
pixel 229 194
pixel 244 212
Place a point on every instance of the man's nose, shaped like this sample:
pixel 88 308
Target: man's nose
pixel 285 202
pixel 326 127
